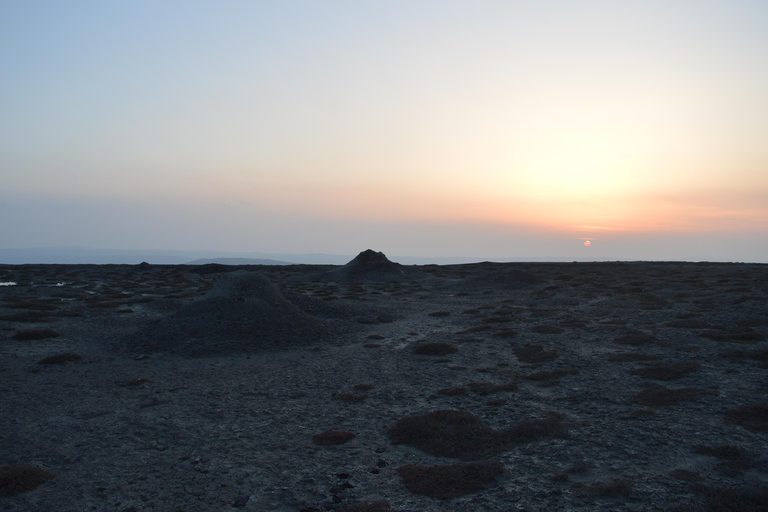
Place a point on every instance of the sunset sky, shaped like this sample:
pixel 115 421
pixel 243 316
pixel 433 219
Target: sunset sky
pixel 486 129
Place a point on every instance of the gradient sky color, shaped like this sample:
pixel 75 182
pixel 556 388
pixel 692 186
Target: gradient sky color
pixel 433 128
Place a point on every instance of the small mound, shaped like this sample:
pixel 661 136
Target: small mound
pixel 243 312
pixel 369 265
pixel 452 481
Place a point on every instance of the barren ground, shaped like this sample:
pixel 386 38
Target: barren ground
pixel 655 375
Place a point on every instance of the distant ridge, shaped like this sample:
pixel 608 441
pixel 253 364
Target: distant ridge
pixel 238 261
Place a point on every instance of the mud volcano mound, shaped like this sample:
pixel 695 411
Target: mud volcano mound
pixel 369 265
pixel 243 312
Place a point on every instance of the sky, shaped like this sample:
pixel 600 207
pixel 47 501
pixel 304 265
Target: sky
pixel 485 129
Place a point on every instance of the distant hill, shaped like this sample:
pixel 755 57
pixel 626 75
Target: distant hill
pixel 238 261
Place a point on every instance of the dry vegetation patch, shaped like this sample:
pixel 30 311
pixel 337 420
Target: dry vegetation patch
pixel 435 349
pixel 486 388
pixel 635 339
pixel 64 357
pixel 449 433
pixel 534 354
pixel 663 397
pixel 672 371
pixel 333 437
pixel 375 506
pixel 134 382
pixel 36 334
pixel 729 499
pixel 452 481
pixel 529 431
pixel 616 487
pixel 453 391
pixel 688 324
pixel 752 417
pixel 19 479
pixel 754 355
pixel 554 375
pixel 627 357
pixel 737 335
pixel 350 397
pixel 547 329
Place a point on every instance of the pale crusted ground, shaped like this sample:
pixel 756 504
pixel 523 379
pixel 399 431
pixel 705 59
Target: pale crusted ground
pixel 234 430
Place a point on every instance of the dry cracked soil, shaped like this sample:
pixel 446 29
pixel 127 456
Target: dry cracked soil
pixel 626 386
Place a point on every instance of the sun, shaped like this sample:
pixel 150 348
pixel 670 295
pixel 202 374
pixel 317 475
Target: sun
pixel 587 243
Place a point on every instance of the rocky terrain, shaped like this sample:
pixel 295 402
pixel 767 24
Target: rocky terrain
pixel 380 387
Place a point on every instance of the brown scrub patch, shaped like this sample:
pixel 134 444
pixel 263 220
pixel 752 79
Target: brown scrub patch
pixel 451 481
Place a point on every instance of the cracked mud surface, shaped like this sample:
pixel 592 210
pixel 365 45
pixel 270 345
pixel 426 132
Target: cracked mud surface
pixel 643 361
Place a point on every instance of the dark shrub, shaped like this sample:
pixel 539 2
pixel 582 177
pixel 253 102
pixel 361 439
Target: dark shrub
pixel 19 479
pixel 36 334
pixel 547 329
pixel 729 499
pixel 497 319
pixel 351 397
pixel 62 358
pixel 27 316
pixel 616 487
pixel 686 475
pixel 33 305
pixel 550 376
pixel 449 434
pixel 534 354
pixel 737 335
pixel 755 355
pixel 688 324
pixel 134 382
pixel 626 357
pixel 537 430
pixel 461 435
pixel 664 397
pixel 752 417
pixel 671 371
pixel 445 482
pixel 435 349
pixel 453 391
pixel 472 330
pixel 375 506
pixel 486 388
pixel 723 451
pixel 333 437
pixel 635 339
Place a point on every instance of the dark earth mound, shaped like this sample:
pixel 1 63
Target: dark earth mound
pixel 244 311
pixel 369 265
